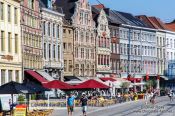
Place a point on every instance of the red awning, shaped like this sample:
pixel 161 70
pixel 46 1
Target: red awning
pixel 107 79
pixel 56 84
pixel 91 84
pixel 37 76
pixel 132 79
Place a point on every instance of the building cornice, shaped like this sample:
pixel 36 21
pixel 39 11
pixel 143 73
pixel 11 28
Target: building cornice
pixel 53 12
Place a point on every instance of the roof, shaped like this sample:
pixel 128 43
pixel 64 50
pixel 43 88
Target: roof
pixel 152 22
pixel 36 76
pixel 45 75
pixel 68 7
pixel 129 19
pixel 171 26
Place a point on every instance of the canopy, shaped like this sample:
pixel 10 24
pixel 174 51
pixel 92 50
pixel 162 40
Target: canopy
pixel 91 84
pixel 14 88
pixel 35 87
pixel 107 79
pixel 56 84
pixel 36 76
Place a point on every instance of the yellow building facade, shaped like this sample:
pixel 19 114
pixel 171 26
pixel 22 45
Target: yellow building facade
pixel 10 42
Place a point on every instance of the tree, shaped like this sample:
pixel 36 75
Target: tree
pixel 124 85
pixel 151 83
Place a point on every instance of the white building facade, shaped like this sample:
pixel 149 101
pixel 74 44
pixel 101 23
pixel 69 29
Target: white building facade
pixel 52 42
pixel 10 42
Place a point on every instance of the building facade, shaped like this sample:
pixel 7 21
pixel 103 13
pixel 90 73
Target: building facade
pixel 52 39
pixel 103 42
pixel 10 42
pixel 68 48
pixel 79 13
pixel 133 45
pixel 31 35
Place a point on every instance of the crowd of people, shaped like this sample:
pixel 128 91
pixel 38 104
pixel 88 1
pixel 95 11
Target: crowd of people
pixel 149 97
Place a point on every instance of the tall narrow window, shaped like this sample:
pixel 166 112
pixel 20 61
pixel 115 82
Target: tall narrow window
pixel 58 52
pixel 54 51
pixel 2 77
pixel 44 27
pixel 49 51
pixel 44 50
pixel 2 10
pixel 16 43
pixel 16 15
pixel 10 75
pixel 2 41
pixel 9 42
pixel 17 76
pixel 48 29
pixel 9 13
pixel 53 30
pixel 58 31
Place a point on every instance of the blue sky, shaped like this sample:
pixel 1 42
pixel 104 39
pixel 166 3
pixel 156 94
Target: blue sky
pixel 164 9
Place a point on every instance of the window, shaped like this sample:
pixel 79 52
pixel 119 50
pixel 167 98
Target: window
pixel 69 31
pixel 16 43
pixel 65 65
pixel 2 76
pixel 44 27
pixel 82 36
pixel 16 15
pixel 48 29
pixel 99 60
pixel 58 51
pixel 17 76
pixel 9 13
pixel 53 30
pixel 86 18
pixel 49 51
pixel 87 37
pixel 10 75
pixel 2 10
pixel 53 51
pixel 81 17
pixel 70 65
pixel 64 46
pixel 64 30
pixel 31 4
pixel 87 53
pixel 82 52
pixel 2 41
pixel 76 52
pixel 9 42
pixel 92 53
pixel 44 50
pixel 92 38
pixel 69 46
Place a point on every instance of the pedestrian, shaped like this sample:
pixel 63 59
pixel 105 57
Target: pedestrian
pixel 70 104
pixel 119 97
pixel 171 95
pixel 84 103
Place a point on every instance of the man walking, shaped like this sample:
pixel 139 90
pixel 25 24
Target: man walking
pixel 83 102
pixel 70 104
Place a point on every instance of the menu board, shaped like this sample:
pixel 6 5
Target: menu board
pixel 5 106
pixel 20 110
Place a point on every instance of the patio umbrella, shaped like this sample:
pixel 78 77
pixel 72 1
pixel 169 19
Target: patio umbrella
pixel 35 87
pixel 56 84
pixel 91 84
pixel 14 88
